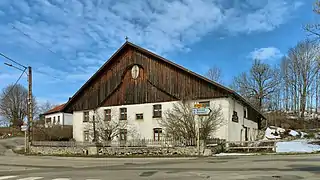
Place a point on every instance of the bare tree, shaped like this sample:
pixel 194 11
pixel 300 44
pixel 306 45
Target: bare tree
pixel 13 104
pixel 107 129
pixel 46 106
pixel 214 74
pixel 304 59
pixel 258 84
pixel 314 29
pixel 180 122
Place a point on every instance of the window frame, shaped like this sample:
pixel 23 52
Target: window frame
pixel 86 134
pixel 86 116
pixel 157 131
pixel 58 120
pixel 107 115
pixel 54 120
pixel 139 116
pixel 157 112
pixel 123 115
pixel 207 103
pixel 125 132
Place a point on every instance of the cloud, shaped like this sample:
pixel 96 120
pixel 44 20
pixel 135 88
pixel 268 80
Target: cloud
pixel 268 53
pixel 72 39
pixel 159 25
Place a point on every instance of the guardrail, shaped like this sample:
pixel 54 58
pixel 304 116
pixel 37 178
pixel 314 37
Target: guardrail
pixel 252 145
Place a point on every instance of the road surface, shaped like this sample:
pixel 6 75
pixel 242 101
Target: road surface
pixel 236 168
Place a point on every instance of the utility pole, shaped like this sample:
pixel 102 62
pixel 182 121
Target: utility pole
pixel 30 107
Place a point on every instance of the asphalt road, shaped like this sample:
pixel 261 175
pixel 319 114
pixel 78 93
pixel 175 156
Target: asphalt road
pixel 237 168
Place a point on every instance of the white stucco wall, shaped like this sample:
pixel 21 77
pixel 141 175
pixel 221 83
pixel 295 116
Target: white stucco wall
pixel 65 119
pixel 144 128
pixel 236 130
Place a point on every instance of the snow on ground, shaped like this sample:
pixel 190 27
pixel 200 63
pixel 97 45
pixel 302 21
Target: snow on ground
pixel 236 154
pixel 296 146
pixel 293 133
pixel 271 134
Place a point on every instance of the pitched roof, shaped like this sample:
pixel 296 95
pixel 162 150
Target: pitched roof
pixel 145 51
pixel 56 109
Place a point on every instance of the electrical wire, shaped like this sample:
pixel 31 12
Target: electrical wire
pixel 12 60
pixel 15 84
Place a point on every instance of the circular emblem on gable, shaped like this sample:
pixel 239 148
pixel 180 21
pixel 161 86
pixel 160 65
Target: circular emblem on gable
pixel 135 71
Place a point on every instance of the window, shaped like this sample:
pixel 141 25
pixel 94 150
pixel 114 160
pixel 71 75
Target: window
pixel 157 110
pixel 58 122
pixel 86 136
pixel 107 114
pixel 123 134
pixel 123 113
pixel 235 116
pixel 205 104
pixel 244 113
pixel 107 135
pixel 48 120
pixel 54 120
pixel 139 116
pixel 157 134
pixel 86 116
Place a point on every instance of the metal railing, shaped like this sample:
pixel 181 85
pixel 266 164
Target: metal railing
pixel 128 143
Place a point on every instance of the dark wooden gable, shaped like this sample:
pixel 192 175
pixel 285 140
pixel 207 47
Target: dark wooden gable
pixel 159 80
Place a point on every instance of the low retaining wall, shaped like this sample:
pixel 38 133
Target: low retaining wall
pixel 116 151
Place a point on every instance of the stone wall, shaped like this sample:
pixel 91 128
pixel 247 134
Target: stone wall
pixel 116 151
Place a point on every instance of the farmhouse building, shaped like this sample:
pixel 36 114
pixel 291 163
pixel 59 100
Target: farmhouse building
pixel 56 116
pixel 138 86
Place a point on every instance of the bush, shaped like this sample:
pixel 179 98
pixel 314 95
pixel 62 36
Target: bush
pixel 55 133
pixel 309 136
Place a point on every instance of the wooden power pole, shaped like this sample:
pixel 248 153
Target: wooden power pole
pixel 30 107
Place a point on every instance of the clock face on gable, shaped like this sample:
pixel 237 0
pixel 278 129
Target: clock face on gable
pixel 135 71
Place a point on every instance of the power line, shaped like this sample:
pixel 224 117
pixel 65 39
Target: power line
pixel 39 43
pixel 12 60
pixel 15 84
pixel 47 74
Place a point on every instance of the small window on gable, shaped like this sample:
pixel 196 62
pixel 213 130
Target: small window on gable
pixel 123 113
pixel 205 104
pixel 107 114
pixel 139 116
pixel 157 112
pixel 86 116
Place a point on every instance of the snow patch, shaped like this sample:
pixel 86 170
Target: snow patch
pixel 272 134
pixel 296 146
pixel 236 154
pixel 293 133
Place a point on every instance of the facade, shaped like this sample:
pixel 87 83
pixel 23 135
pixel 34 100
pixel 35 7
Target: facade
pixel 136 87
pixel 55 116
pixel 144 124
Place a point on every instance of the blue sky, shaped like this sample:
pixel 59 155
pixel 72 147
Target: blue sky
pixel 71 39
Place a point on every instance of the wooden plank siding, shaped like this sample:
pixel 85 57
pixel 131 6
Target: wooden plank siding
pixel 158 81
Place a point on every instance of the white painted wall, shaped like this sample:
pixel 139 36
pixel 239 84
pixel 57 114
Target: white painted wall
pixel 65 119
pixel 236 129
pixel 144 128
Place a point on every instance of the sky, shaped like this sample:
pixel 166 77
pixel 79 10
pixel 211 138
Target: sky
pixel 66 41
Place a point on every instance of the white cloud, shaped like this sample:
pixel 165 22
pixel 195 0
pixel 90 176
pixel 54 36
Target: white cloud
pixel 83 34
pixel 268 53
pixel 159 25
